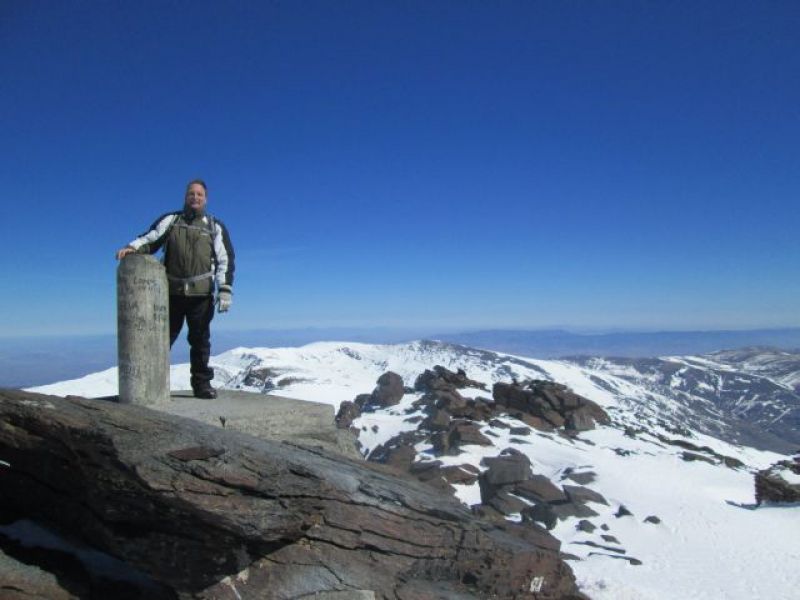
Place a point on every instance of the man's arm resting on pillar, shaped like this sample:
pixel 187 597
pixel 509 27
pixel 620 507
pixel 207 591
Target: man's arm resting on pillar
pixel 123 252
pixel 150 241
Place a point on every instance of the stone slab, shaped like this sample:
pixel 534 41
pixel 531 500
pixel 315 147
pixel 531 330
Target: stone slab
pixel 266 416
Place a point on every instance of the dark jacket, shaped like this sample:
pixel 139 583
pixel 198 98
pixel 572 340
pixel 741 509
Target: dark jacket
pixel 197 251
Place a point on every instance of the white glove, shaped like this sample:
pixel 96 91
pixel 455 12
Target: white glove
pixel 224 298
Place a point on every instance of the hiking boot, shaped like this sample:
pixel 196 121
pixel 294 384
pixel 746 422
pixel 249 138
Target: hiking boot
pixel 205 391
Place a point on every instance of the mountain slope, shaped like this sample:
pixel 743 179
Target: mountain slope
pixel 655 458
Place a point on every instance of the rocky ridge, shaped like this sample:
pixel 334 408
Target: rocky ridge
pixel 190 510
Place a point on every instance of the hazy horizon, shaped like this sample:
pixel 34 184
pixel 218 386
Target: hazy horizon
pixel 37 360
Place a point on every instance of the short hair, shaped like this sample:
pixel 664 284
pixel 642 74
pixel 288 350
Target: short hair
pixel 198 182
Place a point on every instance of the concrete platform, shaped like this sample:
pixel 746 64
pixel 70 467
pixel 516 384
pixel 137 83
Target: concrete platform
pixel 266 416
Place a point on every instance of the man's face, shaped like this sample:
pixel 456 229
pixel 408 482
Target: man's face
pixel 196 197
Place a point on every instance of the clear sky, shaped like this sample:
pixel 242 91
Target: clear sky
pixel 437 164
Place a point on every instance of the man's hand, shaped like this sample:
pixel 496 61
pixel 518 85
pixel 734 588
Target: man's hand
pixel 123 252
pixel 224 298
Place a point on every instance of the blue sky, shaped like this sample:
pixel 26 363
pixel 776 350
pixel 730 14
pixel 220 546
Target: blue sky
pixel 430 164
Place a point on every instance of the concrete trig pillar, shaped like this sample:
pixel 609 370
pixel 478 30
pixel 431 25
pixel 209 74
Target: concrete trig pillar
pixel 142 330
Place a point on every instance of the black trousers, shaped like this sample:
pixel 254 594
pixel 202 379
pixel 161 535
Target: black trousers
pixel 197 311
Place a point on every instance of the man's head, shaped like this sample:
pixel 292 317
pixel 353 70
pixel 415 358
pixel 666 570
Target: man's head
pixel 196 195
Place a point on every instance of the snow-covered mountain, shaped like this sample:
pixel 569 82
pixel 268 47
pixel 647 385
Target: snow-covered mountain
pixel 747 396
pixel 658 457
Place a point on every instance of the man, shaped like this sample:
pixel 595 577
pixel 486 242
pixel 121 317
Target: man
pixel 197 254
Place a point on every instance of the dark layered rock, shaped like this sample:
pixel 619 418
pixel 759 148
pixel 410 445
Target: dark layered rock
pixel 775 483
pixel 540 489
pixel 580 494
pixel 464 433
pixel 348 412
pixel 581 478
pixel 438 420
pixel 551 405
pixel 507 503
pixel 442 379
pixel 464 474
pixel 21 581
pixel 400 445
pixel 212 513
pixel 504 470
pixel 585 526
pixel 623 511
pixel 573 509
pixel 389 391
pixel 540 513
pixel 702 453
pixel 652 519
pixel 458 433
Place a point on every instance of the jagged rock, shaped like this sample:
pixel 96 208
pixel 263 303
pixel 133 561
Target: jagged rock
pixel 623 511
pixel 440 379
pixel 580 420
pixel 464 474
pixel 263 519
pixel 389 391
pixel 566 510
pixel 503 470
pixel 652 519
pixel 462 434
pixel 506 503
pixel 695 454
pixel 692 457
pixel 551 403
pixel 580 478
pixel 439 420
pixel 487 513
pixel 601 546
pixel 577 493
pixel 533 533
pixel 405 439
pixel 498 424
pixel 540 489
pixel 779 483
pixel 609 538
pixel 449 400
pixel 362 401
pixel 425 470
pixel 630 559
pixel 520 431
pixel 401 457
pixel 535 422
pixel 731 462
pixel 585 526
pixel 20 581
pixel 479 409
pixel 541 513
pixel 441 443
pixel 348 412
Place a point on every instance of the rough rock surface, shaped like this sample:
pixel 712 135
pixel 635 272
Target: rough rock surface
pixel 780 483
pixel 220 514
pixel 389 391
pixel 551 405
pixel 19 581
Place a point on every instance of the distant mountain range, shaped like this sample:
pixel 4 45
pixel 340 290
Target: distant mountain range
pixel 556 343
pixel 39 360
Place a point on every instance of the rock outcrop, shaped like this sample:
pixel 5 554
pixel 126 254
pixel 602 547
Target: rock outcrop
pixel 204 512
pixel 780 483
pixel 552 405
